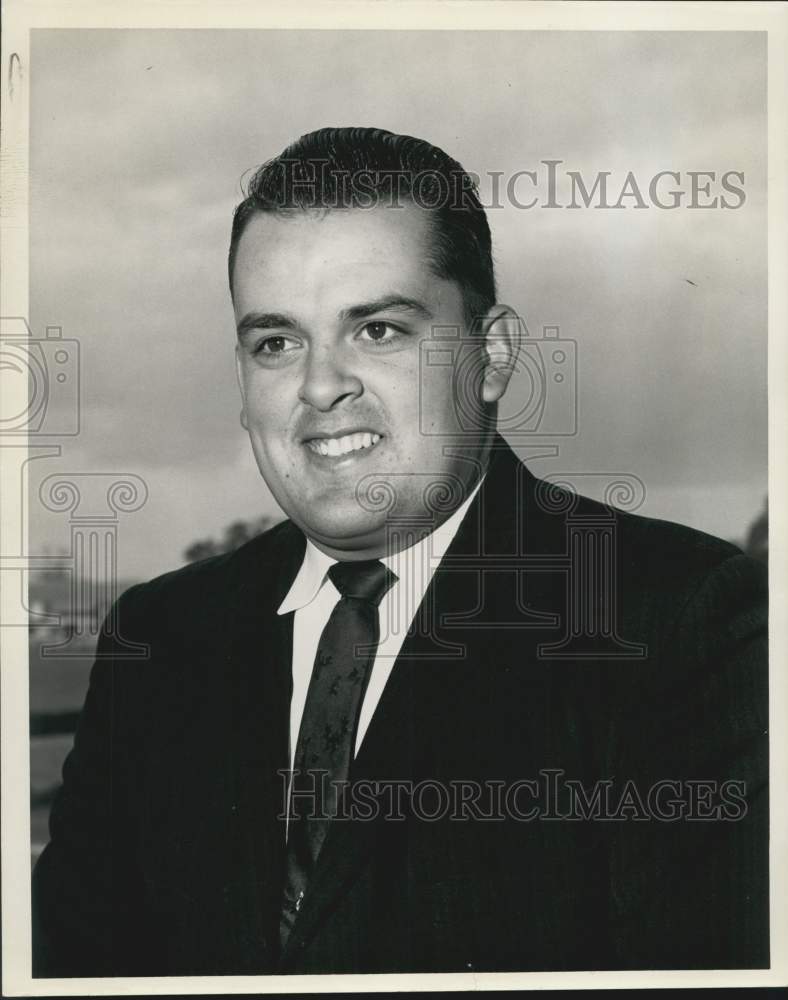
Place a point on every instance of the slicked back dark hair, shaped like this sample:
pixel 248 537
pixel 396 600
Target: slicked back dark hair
pixel 341 168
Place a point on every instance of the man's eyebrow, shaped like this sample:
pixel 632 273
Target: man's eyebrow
pixel 387 302
pixel 265 321
pixel 284 321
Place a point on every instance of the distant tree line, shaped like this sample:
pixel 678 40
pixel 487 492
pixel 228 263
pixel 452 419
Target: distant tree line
pixel 756 544
pixel 235 535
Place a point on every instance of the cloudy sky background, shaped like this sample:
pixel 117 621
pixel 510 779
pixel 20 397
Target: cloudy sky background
pixel 139 140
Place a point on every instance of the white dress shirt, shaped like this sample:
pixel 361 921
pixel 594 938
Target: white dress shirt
pixel 313 596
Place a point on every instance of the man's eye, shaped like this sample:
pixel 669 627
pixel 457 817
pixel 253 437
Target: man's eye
pixel 274 345
pixel 379 332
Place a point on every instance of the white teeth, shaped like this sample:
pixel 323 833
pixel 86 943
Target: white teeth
pixel 341 446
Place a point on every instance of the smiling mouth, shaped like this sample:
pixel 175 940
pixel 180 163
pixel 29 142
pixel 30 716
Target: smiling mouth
pixel 336 447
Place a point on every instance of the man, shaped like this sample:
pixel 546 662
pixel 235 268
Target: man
pixel 443 718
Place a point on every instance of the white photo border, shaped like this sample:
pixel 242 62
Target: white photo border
pixel 518 15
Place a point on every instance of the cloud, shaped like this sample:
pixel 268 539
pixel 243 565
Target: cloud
pixel 140 139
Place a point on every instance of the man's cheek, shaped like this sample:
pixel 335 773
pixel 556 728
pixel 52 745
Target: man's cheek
pixel 438 410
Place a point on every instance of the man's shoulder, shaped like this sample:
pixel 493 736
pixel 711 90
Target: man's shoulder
pixel 545 511
pixel 637 534
pixel 670 540
pixel 652 555
pixel 684 564
pixel 264 561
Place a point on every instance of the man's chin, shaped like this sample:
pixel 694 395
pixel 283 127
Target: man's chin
pixel 346 531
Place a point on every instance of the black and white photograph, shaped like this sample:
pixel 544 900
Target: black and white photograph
pixel 393 399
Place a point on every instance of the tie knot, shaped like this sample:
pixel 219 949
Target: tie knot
pixel 366 581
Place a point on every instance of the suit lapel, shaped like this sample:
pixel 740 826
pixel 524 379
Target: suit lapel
pixel 395 740
pixel 261 679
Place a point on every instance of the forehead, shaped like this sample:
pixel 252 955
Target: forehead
pixel 312 254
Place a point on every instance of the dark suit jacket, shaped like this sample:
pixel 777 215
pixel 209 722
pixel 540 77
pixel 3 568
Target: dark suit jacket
pixel 645 664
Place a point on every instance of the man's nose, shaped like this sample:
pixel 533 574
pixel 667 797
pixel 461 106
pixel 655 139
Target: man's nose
pixel 328 380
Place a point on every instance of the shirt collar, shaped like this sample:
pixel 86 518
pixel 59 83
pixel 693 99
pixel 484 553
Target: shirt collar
pixel 308 581
pixel 312 574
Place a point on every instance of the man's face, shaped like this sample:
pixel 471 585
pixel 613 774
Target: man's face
pixel 331 309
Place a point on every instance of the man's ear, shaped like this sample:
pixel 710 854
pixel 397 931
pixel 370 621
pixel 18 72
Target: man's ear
pixel 501 329
pixel 239 377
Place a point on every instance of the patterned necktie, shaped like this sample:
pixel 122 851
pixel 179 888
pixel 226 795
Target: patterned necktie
pixel 328 727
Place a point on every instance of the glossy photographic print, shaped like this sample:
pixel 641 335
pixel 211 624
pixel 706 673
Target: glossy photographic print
pixel 387 491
